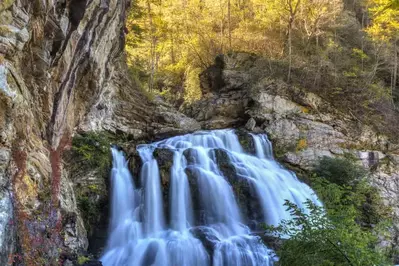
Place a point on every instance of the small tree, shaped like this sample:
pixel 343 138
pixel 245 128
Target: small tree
pixel 341 171
pixel 316 237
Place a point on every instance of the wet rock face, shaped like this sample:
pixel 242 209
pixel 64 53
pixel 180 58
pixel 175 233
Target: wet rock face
pixel 164 158
pixel 244 190
pixel 246 141
pixel 192 177
pixel 50 52
pixel 7 234
pixel 206 237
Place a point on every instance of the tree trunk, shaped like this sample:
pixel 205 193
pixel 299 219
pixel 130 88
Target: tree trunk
pixel 293 9
pixel 395 73
pixel 289 51
pixel 229 21
pixel 152 48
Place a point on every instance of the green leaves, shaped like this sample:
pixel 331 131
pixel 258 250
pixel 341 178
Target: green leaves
pixel 346 230
pixel 320 237
pixel 92 150
pixel 342 171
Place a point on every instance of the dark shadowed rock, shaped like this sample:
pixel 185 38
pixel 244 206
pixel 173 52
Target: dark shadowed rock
pixel 211 79
pixel 93 263
pixel 192 178
pixel 208 240
pixel 189 154
pixel 164 158
pixel 246 140
pixel 243 188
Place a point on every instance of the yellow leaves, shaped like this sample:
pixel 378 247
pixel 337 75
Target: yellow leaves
pixel 385 20
pixel 26 191
pixel 304 110
pixel 302 144
pixel 350 74
pixel 378 92
pixel 170 40
pixel 192 85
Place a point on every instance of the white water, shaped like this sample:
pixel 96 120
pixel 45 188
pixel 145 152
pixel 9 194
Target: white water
pixel 140 234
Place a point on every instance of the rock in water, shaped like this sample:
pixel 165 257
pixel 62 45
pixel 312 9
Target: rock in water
pixel 250 125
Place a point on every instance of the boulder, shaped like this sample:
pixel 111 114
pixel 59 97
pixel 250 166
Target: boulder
pixel 251 124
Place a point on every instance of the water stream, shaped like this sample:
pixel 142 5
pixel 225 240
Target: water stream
pixel 217 193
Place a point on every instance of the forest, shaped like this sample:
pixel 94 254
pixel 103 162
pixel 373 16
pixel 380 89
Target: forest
pixel 344 50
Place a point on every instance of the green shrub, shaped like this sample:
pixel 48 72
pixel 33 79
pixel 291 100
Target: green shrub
pixel 363 197
pixel 92 150
pixel 90 210
pixel 341 171
pixel 341 181
pixel 321 238
pixel 346 230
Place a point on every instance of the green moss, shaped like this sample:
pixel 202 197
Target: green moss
pixel 4 30
pixel 6 4
pixel 90 209
pixel 82 260
pixel 91 153
pixel 93 188
pixel 280 150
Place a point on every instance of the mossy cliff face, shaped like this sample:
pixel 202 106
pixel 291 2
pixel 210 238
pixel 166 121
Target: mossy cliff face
pixel 62 70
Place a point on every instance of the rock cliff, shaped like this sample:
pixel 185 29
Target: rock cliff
pixel 62 70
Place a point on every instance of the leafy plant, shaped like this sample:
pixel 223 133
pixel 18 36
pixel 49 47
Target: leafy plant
pixel 320 237
pixel 341 171
pixel 93 150
pixel 346 230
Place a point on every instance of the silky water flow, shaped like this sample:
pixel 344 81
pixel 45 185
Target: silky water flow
pixel 204 224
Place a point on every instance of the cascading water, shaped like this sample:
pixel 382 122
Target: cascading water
pixel 205 225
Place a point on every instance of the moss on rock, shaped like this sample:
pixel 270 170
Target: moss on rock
pixel 6 4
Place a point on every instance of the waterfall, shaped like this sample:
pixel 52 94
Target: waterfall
pixel 217 194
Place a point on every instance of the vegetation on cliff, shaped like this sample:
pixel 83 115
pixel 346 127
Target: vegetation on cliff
pixel 348 230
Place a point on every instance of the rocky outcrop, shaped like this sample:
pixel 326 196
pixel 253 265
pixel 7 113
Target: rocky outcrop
pixel 302 126
pixel 61 70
